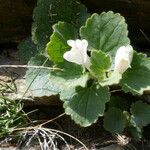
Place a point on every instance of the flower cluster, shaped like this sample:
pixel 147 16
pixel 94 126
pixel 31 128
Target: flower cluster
pixel 78 54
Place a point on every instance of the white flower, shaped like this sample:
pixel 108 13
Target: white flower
pixel 78 53
pixel 123 58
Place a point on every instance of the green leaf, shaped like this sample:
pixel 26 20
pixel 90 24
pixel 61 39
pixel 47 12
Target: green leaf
pixel 114 120
pixel 27 49
pixel 136 132
pixel 87 104
pixel 67 79
pixel 58 41
pixel 46 82
pixel 120 101
pixel 137 79
pixel 106 32
pixel 112 79
pixel 39 78
pixel 49 12
pixel 100 63
pixel 140 113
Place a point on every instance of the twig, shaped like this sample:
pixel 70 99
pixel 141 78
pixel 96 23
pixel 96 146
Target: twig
pixel 28 66
pixel 51 120
pixel 64 133
pixel 113 91
pixel 32 111
pixel 145 35
pixel 51 130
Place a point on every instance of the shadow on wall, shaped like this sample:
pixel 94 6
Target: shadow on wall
pixel 16 18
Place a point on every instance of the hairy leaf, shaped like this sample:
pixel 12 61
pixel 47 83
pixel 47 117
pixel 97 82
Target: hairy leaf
pixel 100 63
pixel 140 113
pixel 106 32
pixel 120 101
pixel 38 78
pixel 114 120
pixel 87 104
pixel 47 82
pixel 137 79
pixel 112 79
pixel 136 132
pixel 58 41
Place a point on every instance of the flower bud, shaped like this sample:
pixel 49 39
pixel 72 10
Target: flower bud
pixel 123 58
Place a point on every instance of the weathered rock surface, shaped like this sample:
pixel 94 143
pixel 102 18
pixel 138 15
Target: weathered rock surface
pixel 16 17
